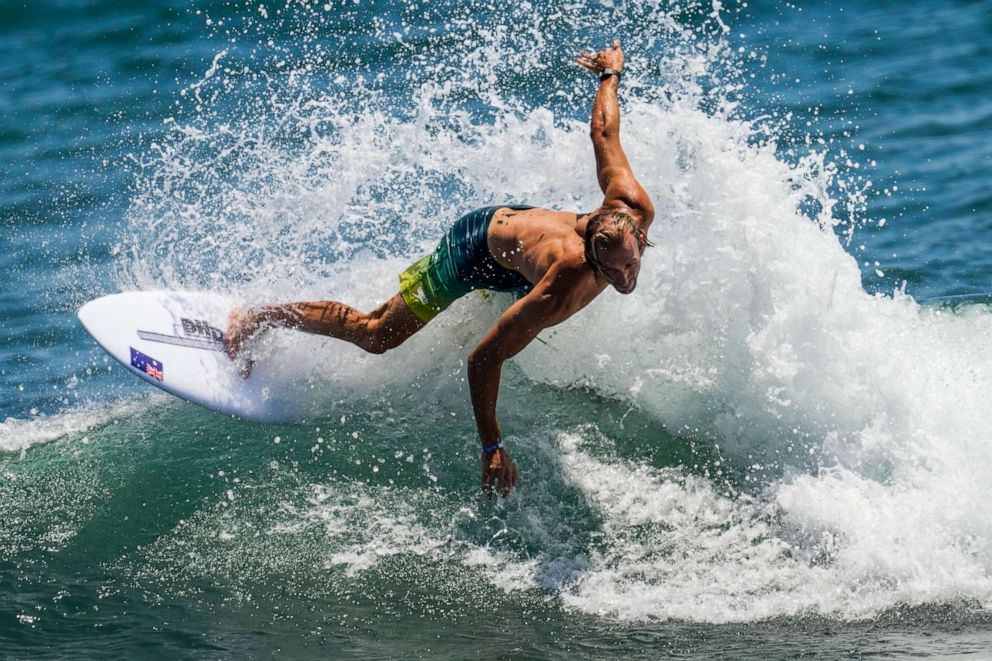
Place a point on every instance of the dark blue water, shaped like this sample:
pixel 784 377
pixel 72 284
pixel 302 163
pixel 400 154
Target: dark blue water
pixel 771 450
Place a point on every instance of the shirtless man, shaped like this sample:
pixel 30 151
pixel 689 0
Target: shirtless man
pixel 558 261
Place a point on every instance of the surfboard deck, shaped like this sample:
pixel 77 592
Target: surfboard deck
pixel 174 341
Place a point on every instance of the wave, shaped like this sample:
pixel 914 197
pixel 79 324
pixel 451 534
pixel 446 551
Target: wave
pixel 19 434
pixel 848 429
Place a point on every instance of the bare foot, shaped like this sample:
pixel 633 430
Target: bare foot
pixel 241 327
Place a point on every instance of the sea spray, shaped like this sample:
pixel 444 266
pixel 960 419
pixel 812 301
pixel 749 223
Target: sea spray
pixel 750 330
pixel 845 444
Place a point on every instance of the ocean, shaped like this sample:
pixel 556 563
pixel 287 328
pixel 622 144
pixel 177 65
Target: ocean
pixel 777 447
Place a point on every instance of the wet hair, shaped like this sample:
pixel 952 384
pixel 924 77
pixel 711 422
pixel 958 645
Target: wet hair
pixel 609 228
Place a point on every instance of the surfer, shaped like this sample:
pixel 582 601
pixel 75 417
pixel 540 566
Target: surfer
pixel 558 261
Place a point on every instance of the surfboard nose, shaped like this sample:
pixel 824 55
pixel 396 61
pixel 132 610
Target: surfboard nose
pixel 174 341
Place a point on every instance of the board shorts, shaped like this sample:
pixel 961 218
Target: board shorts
pixel 461 263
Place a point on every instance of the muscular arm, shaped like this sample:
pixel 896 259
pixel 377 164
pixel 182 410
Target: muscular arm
pixel 562 292
pixel 616 179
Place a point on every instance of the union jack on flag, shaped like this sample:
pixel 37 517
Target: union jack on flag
pixel 147 364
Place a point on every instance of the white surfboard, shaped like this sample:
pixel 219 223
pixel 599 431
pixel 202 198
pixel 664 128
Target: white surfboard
pixel 174 341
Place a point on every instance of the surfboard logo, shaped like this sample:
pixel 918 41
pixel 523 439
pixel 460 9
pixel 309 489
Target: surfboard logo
pixel 147 364
pixel 200 328
pixel 197 334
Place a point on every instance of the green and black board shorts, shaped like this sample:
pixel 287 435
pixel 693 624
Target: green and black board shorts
pixel 461 263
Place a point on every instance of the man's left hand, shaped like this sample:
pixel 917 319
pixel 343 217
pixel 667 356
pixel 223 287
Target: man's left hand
pixel 609 58
pixel 499 473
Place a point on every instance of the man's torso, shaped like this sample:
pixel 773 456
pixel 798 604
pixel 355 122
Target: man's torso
pixel 530 241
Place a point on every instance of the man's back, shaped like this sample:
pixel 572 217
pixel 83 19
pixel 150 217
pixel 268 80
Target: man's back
pixel 530 241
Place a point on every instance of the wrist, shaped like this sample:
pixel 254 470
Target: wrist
pixel 264 314
pixel 608 73
pixel 278 315
pixel 490 448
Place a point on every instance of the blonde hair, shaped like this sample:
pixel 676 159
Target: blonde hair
pixel 608 228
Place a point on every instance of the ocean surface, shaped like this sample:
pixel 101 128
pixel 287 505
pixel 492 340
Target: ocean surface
pixel 777 447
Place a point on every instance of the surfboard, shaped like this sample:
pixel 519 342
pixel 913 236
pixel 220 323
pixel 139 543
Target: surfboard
pixel 174 341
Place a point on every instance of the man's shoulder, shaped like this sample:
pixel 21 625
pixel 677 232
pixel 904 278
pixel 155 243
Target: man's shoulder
pixel 568 285
pixel 570 272
pixel 570 259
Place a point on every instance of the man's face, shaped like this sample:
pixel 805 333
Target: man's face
pixel 621 263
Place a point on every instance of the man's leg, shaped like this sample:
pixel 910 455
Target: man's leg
pixel 378 331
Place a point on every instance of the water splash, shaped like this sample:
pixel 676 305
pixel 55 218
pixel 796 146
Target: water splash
pixel 850 427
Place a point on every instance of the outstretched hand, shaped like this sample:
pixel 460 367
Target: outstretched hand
pixel 241 326
pixel 610 58
pixel 499 473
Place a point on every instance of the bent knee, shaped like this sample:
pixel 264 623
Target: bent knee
pixel 380 337
pixel 373 345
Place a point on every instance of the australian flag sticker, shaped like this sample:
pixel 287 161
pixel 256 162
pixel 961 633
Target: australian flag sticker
pixel 147 364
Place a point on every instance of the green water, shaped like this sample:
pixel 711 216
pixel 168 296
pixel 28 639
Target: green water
pixel 768 451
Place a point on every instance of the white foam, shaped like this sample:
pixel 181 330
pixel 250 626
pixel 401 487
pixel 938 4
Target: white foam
pixel 750 327
pixel 361 526
pixel 18 434
pixel 676 547
pixel 749 330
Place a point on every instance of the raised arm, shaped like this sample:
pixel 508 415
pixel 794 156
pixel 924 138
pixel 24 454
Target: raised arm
pixel 557 297
pixel 620 188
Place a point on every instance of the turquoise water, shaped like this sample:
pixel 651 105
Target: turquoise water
pixel 771 450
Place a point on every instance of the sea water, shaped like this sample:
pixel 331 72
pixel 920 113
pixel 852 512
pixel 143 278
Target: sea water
pixel 776 446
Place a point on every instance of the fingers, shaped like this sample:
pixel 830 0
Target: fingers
pixel 488 476
pixel 598 61
pixel 230 337
pixel 499 475
pixel 508 479
pixel 487 484
pixel 588 61
pixel 488 481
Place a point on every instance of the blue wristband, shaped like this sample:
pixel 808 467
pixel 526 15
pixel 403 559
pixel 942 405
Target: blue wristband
pixel 493 447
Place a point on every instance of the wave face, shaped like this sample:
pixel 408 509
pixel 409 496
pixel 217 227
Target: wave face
pixel 750 436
